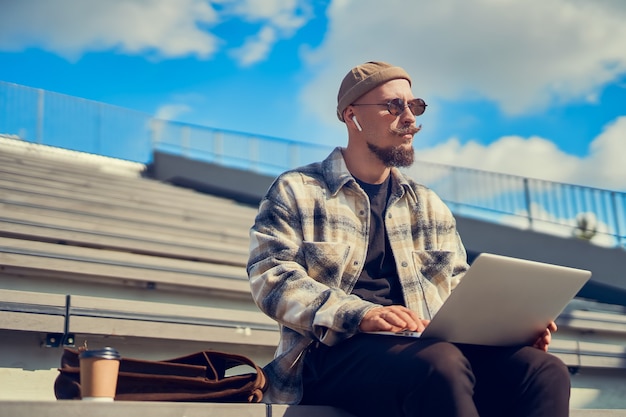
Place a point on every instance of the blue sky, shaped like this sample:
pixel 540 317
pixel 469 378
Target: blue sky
pixel 534 88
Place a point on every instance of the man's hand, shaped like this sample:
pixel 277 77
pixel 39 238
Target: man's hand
pixel 392 319
pixel 544 340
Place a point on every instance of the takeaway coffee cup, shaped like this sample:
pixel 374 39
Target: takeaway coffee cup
pixel 98 374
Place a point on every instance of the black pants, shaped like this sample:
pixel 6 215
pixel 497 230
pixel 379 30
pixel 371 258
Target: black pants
pixel 389 376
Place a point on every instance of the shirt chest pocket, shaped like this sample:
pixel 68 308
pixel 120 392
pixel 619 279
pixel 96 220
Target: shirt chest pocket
pixel 326 262
pixel 435 266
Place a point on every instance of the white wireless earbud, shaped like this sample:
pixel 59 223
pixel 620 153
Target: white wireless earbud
pixel 358 126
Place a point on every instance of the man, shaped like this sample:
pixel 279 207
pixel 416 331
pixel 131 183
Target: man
pixel 351 246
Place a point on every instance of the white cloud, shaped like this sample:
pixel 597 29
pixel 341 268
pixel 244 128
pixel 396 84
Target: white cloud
pixel 171 111
pixel 605 164
pixel 71 27
pixel 537 157
pixel 530 157
pixel 280 18
pixel 160 28
pixel 523 55
pixel 286 15
pixel 256 48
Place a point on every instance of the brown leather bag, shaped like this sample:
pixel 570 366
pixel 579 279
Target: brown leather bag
pixel 196 377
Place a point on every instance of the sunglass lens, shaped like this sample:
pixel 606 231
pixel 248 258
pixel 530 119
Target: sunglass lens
pixel 417 106
pixel 396 106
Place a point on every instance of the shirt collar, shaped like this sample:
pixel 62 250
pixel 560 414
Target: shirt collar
pixel 337 175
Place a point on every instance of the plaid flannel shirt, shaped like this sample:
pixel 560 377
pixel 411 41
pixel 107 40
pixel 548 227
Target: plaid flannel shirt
pixel 307 248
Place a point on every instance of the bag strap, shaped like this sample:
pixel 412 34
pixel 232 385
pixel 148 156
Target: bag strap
pixel 260 384
pixel 220 362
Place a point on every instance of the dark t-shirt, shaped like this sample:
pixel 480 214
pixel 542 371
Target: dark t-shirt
pixel 379 282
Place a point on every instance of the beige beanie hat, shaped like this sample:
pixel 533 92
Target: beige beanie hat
pixel 364 78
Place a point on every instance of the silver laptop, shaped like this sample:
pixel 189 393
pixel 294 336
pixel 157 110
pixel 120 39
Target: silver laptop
pixel 505 301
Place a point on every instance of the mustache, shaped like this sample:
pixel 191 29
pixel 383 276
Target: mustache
pixel 407 130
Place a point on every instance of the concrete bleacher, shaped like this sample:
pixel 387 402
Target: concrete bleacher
pixel 76 408
pixel 92 251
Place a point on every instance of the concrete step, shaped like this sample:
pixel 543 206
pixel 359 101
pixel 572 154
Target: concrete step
pixel 169 409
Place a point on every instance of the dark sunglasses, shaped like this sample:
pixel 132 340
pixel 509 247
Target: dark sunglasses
pixel 397 106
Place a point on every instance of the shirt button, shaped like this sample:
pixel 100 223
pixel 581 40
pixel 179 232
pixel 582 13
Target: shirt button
pixel 362 212
pixel 389 216
pixel 404 264
pixel 356 263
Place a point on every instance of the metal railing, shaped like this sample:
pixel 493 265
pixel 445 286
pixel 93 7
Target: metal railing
pixel 58 120
pixel 249 152
pixel 562 209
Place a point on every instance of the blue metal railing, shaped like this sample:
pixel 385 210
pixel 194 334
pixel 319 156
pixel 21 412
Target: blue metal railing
pixel 53 119
pixel 556 208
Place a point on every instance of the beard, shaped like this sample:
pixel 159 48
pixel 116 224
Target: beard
pixel 394 156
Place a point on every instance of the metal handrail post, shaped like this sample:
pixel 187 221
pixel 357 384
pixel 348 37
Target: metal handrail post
pixel 40 115
pixel 620 230
pixel 529 215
